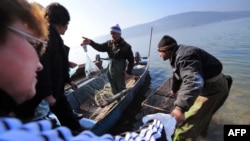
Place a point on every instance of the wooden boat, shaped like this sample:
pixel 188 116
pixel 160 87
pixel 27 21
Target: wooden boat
pixel 159 100
pixel 100 108
pixel 95 101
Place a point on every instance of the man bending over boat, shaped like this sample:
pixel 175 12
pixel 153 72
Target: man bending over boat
pixel 199 84
pixel 119 51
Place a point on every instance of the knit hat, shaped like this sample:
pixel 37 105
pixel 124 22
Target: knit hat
pixel 116 28
pixel 167 43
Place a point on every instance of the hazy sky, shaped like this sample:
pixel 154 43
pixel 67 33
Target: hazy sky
pixel 92 18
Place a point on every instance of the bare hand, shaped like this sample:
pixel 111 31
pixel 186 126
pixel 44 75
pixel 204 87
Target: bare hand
pixel 178 114
pixel 86 41
pixel 51 100
pixel 73 85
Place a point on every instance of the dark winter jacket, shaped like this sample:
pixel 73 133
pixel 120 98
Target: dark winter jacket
pixel 52 79
pixel 191 67
pixel 7 104
pixel 120 50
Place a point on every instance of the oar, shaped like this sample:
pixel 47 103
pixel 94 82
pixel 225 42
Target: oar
pixel 105 58
pixel 115 97
pixel 109 59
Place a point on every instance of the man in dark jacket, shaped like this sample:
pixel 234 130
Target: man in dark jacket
pixel 199 84
pixel 54 76
pixel 119 51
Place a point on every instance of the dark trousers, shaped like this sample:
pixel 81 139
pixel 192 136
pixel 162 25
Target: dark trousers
pixel 64 113
pixel 116 75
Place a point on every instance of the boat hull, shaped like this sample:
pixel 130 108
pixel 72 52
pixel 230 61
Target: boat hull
pixel 109 121
pixel 83 99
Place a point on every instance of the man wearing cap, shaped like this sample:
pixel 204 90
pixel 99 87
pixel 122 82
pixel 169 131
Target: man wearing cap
pixel 119 51
pixel 199 84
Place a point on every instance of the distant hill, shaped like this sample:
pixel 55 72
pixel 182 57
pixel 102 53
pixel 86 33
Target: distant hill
pixel 183 20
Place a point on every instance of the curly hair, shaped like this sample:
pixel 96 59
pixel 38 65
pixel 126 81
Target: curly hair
pixel 30 14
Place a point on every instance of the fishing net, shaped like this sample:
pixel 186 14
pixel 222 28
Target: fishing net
pixel 103 95
pixel 99 90
pixel 91 70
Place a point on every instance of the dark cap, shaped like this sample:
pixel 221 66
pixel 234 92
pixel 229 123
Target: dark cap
pixel 167 43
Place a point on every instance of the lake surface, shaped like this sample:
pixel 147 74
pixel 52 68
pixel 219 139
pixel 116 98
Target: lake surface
pixel 229 41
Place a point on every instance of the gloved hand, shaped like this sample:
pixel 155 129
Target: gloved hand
pixel 167 120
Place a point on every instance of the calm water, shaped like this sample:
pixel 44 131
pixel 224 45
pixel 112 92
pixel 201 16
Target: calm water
pixel 229 42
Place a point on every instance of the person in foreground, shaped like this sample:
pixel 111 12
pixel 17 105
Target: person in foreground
pixel 55 74
pixel 23 31
pixel 119 51
pixel 199 84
